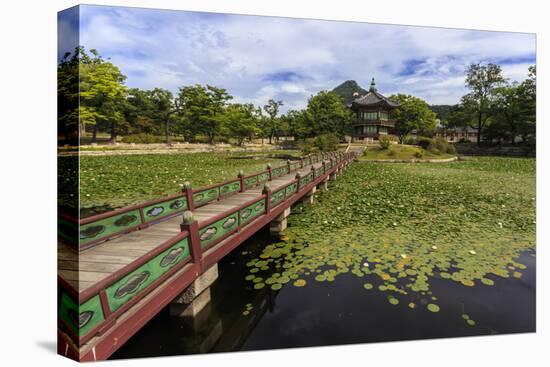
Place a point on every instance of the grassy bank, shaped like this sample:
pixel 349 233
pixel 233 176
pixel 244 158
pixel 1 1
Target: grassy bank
pixel 401 152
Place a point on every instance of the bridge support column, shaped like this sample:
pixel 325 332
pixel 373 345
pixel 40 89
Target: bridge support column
pixel 308 197
pixel 193 305
pixel 323 186
pixel 279 224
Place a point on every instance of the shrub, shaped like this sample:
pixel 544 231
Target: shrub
pixel 143 138
pixel 423 142
pixel 307 146
pixel 326 142
pixel 440 145
pixel 409 140
pixel 384 142
pixel 419 154
pixel 451 149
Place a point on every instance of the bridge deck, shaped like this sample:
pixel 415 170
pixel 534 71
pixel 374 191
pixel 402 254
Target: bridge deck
pixel 97 263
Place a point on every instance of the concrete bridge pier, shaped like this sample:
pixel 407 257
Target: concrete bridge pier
pixel 308 197
pixel 323 186
pixel 279 224
pixel 193 305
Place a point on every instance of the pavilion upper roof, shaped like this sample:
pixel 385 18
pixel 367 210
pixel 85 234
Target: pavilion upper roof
pixel 373 99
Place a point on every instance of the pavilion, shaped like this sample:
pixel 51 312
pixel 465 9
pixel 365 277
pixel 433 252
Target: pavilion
pixel 373 114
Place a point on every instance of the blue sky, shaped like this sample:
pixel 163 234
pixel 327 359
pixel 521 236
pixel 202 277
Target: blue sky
pixel 256 58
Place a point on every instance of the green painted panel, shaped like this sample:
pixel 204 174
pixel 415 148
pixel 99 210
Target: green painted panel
pixel 67 231
pixel 109 226
pixel 217 229
pixel 306 179
pixel 295 165
pixel 164 208
pixel 263 177
pixel 139 279
pixel 80 319
pixel 252 211
pixel 205 196
pixel 291 189
pixel 251 182
pixel 279 171
pixel 230 187
pixel 277 197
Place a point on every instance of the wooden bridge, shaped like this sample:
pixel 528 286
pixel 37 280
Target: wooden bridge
pixel 117 270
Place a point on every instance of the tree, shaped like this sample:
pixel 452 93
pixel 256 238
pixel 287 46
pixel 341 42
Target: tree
pixel 326 113
pixel 272 110
pixel 68 98
pixel 413 113
pixel 102 93
pixel 202 109
pixel 164 108
pixel 482 80
pixel 240 121
pixel 295 123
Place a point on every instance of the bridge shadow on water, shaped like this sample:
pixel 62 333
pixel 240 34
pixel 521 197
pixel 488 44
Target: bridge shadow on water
pixel 332 313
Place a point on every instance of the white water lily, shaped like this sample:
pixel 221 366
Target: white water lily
pixel 500 224
pixel 472 252
pixel 434 247
pixel 403 256
pixel 366 264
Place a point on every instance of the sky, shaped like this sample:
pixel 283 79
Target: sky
pixel 257 58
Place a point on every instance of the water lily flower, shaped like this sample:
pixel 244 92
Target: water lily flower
pixel 434 247
pixel 403 256
pixel 366 264
pixel 472 252
pixel 500 224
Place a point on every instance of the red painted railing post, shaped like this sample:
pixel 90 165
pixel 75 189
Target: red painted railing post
pixel 267 192
pixel 243 183
pixel 190 225
pixel 269 171
pixel 324 167
pixel 188 191
pixel 298 181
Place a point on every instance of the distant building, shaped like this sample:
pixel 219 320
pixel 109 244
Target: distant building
pixel 373 114
pixel 457 134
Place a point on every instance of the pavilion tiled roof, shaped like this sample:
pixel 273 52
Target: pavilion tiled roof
pixel 373 98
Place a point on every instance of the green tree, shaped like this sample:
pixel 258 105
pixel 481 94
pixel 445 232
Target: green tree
pixel 482 80
pixel 272 110
pixel 68 98
pixel 240 121
pixel 102 93
pixel 202 109
pixel 164 109
pixel 326 113
pixel 413 113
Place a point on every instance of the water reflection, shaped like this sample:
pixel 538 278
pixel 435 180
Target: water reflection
pixel 339 312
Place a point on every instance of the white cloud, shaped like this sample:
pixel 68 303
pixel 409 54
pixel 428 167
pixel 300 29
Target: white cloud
pixel 157 48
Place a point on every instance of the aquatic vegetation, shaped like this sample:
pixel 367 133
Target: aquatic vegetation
pixel 401 226
pixel 119 180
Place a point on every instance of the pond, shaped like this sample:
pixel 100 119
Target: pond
pixel 396 252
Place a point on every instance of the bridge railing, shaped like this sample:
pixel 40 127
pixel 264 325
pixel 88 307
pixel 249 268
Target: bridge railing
pixel 91 312
pixel 96 229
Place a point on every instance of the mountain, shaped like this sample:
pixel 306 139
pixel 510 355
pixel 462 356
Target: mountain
pixel 346 90
pixel 441 110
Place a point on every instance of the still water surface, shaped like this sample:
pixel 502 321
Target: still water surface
pixel 331 313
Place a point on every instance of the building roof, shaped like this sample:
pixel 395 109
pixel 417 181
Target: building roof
pixel 373 99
